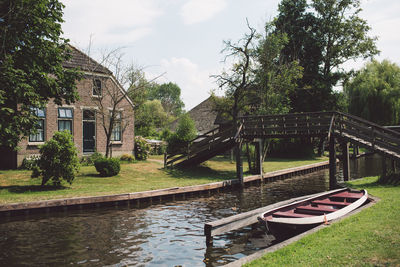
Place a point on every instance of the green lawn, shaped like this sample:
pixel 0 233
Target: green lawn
pixel 17 186
pixel 369 238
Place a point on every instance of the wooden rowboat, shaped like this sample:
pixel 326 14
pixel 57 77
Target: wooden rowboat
pixel 307 213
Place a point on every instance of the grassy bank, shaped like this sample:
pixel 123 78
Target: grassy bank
pixel 17 186
pixel 369 238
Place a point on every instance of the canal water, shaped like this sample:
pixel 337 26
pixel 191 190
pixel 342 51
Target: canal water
pixel 166 234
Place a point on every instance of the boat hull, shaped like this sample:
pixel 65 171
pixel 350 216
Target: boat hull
pixel 305 214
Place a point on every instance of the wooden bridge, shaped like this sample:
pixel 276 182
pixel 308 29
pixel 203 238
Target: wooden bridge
pixel 337 127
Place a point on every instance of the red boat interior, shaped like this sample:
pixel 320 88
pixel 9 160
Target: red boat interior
pixel 319 206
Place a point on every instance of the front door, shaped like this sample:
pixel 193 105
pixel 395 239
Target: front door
pixel 89 136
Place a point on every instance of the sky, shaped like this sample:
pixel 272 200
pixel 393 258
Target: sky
pixel 183 39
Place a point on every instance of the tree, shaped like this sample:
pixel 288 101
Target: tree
pixel 276 78
pixel 114 108
pixel 31 72
pixel 185 132
pixel 239 80
pixel 300 29
pixel 170 96
pixel 374 93
pixel 137 85
pixel 151 116
pixel 322 36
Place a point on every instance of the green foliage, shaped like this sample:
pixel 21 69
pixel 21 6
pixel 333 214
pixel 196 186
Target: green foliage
pixel 142 148
pixel 374 93
pixel 107 167
pixel 165 134
pixel 258 82
pixel 275 80
pixel 58 159
pixel 29 163
pixel 138 86
pixel 322 35
pixel 89 160
pixel 150 117
pixel 31 57
pixel 170 96
pixel 185 132
pixel 127 157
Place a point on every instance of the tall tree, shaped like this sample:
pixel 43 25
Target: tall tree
pixel 374 93
pixel 170 96
pixel 323 35
pixel 240 79
pixel 276 77
pixel 31 72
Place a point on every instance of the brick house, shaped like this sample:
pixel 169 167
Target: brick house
pixel 98 90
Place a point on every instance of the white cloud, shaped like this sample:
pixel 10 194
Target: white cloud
pixel 194 82
pixel 119 22
pixel 196 11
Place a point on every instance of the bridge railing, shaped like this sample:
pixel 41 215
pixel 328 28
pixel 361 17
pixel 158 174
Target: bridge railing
pixel 206 141
pixel 368 133
pixel 289 125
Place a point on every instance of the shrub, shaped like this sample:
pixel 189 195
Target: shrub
pixel 126 157
pixel 185 132
pixel 58 159
pixel 142 148
pixel 29 163
pixel 91 159
pixel 107 167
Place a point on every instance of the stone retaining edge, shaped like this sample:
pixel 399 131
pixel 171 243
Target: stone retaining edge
pixel 76 201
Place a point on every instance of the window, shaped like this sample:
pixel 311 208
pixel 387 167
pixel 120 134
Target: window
pixel 38 134
pixel 65 116
pixel 116 132
pixel 97 87
pixel 88 115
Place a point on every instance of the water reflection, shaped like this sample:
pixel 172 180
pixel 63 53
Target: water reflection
pixel 166 234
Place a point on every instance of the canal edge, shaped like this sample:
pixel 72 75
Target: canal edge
pixel 150 196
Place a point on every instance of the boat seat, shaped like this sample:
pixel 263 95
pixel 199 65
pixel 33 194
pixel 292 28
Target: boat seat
pixel 288 214
pixel 310 209
pixel 348 195
pixel 330 202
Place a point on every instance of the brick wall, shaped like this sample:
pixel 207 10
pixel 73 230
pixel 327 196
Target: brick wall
pixel 87 101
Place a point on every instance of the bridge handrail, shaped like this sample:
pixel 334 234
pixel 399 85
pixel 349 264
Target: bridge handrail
pixel 369 123
pixel 331 127
pixel 289 114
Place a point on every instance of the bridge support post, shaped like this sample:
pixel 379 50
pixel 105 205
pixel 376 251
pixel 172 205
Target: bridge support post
pixel 384 166
pixel 332 163
pixel 259 156
pixel 346 160
pixel 394 168
pixel 239 163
